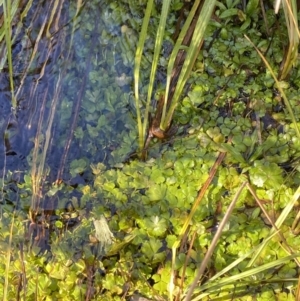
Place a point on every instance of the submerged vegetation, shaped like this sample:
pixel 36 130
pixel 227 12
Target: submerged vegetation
pixel 211 211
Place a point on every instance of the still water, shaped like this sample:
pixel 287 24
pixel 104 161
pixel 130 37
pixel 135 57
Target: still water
pixel 72 73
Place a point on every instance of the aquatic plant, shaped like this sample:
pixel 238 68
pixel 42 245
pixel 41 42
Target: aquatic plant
pixel 8 12
pixel 291 53
pixel 210 214
pixel 191 52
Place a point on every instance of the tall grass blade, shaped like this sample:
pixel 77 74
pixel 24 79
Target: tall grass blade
pixel 187 221
pixel 214 242
pixel 283 243
pixel 8 39
pixel 212 283
pixel 214 287
pixel 157 50
pixel 50 20
pixel 177 48
pixel 38 173
pixel 13 12
pixel 191 55
pixel 291 56
pixel 284 214
pixel 8 259
pixel 137 67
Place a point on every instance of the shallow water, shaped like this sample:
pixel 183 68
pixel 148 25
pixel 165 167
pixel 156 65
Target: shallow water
pixel 72 87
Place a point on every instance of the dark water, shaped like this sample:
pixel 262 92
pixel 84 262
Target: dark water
pixel 70 103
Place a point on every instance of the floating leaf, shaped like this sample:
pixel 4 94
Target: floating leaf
pixel 265 174
pixel 78 166
pixel 57 270
pixel 156 225
pixel 157 176
pixel 156 192
pixel 150 248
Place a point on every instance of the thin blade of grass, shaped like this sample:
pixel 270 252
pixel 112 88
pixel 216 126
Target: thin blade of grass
pixel 291 56
pixel 192 52
pixel 8 259
pixel 33 54
pixel 283 243
pixel 157 49
pixel 137 66
pixel 212 282
pixel 235 263
pixel 297 294
pixel 212 288
pixel 38 173
pixel 214 242
pixel 286 211
pixel 286 101
pixel 187 221
pixel 8 36
pixel 276 6
pixel 293 16
pixel 13 11
pixel 177 47
pixel 20 23
pixel 50 20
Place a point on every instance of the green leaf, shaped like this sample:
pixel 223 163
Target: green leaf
pixel 196 95
pixel 54 189
pixel 157 176
pixel 78 166
pixel 251 6
pixel 162 280
pixel 59 224
pixel 170 239
pixel 265 174
pixel 150 248
pixel 93 131
pixel 57 270
pixel 229 13
pixel 118 246
pixel 156 225
pixel 246 24
pixel 156 192
pixel 102 122
pixel 236 155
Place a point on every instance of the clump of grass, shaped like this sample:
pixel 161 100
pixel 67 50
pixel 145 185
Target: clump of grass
pixel 291 54
pixel 191 54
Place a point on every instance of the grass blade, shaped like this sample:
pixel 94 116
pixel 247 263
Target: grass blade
pixel 177 47
pixel 214 242
pixel 191 56
pixel 8 35
pixel 248 273
pixel 291 56
pixel 157 49
pixel 288 208
pixel 286 101
pixel 137 66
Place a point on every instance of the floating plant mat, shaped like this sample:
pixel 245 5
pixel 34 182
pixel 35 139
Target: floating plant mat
pixel 72 65
pixel 77 222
